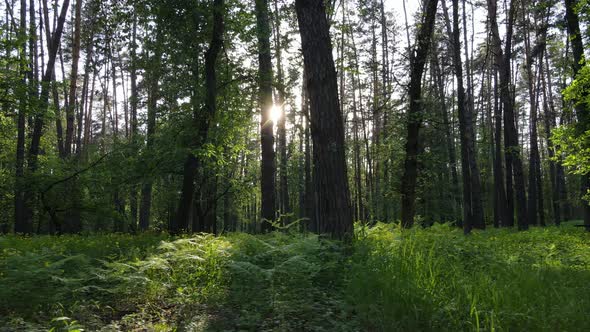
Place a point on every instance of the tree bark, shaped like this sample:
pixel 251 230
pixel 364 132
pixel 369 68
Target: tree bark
pixel 514 168
pixel 202 120
pixel 70 111
pixel 582 113
pixel 327 130
pixel 472 205
pixel 415 113
pixel 45 86
pixel 500 213
pixel 153 95
pixel 285 207
pixel 268 166
pixel 22 217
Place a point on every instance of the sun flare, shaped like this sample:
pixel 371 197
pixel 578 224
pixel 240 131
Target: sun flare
pixel 275 113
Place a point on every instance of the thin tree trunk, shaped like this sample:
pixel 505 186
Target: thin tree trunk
pixel 534 162
pixel 70 111
pixel 500 213
pixel 153 95
pixel 22 217
pixel 285 207
pixel 45 86
pixel 450 142
pixel 550 123
pixel 133 101
pixel 84 98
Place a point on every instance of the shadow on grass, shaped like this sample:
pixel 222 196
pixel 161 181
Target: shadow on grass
pixel 277 282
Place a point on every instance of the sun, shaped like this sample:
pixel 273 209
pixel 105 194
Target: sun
pixel 275 113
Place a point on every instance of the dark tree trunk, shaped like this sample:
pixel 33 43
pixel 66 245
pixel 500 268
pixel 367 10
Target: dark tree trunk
pixel 472 205
pixel 500 213
pixel 133 103
pixel 22 218
pixel 535 160
pixel 70 111
pixel 550 123
pixel 84 98
pixel 450 142
pixel 309 198
pixel 202 120
pixel 268 167
pixel 514 168
pixel 153 95
pixel 45 86
pixel 582 113
pixel 415 113
pixel 327 130
pixel 285 207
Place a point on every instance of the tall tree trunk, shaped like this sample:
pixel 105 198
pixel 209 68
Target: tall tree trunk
pixel 22 217
pixel 285 207
pixel 450 142
pixel 309 195
pixel 472 205
pixel 550 123
pixel 514 168
pixel 133 102
pixel 84 98
pixel 534 161
pixel 268 167
pixel 415 112
pixel 45 86
pixel 201 120
pixel 500 213
pixel 70 111
pixel 153 95
pixel 327 129
pixel 582 113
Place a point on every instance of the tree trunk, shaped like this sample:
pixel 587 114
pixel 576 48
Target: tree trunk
pixel 500 213
pixel 45 86
pixel 327 130
pixel 514 168
pixel 153 95
pixel 583 115
pixel 534 161
pixel 201 120
pixel 133 102
pixel 84 98
pixel 268 167
pixel 22 217
pixel 450 142
pixel 472 205
pixel 70 111
pixel 285 207
pixel 415 113
pixel 550 123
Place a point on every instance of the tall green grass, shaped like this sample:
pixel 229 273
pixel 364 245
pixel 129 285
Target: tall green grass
pixel 438 279
pixel 387 280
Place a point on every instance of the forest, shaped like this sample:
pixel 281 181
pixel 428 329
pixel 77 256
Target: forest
pixel 294 165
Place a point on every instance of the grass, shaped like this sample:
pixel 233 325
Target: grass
pixel 423 279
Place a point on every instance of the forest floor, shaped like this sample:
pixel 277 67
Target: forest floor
pixel 387 280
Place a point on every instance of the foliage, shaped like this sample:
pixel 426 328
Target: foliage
pixel 420 279
pixel 438 279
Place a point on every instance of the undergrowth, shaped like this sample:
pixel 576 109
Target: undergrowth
pixel 421 279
